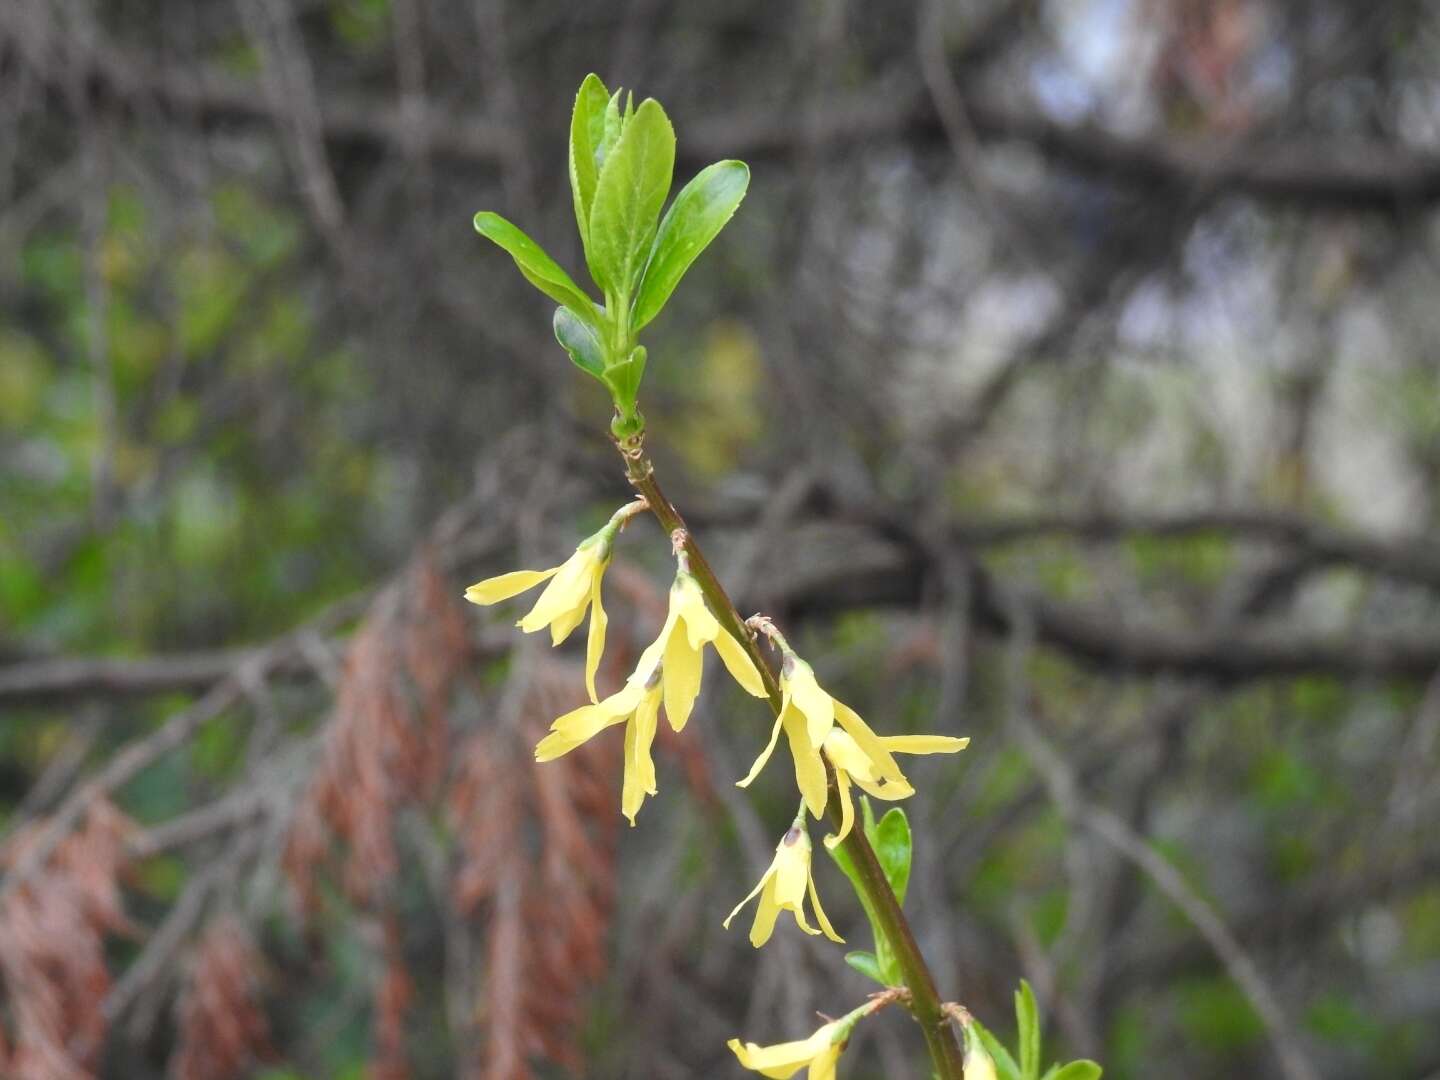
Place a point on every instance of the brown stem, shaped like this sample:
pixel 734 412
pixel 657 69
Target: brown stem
pixel 924 1000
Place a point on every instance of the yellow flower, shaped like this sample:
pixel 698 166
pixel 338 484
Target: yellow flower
pixel 668 671
pixel 637 706
pixel 978 1064
pixel 688 628
pixel 784 1060
pixel 783 888
pixel 814 721
pixel 860 756
pixel 574 587
pixel 820 1051
pixel 807 713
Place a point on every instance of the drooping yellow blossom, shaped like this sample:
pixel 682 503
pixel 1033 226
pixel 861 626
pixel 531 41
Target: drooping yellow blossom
pixel 784 887
pixel 637 706
pixel 814 721
pixel 574 587
pixel 860 756
pixel 669 671
pixel 807 713
pixel 688 628
pixel 978 1064
pixel 821 1051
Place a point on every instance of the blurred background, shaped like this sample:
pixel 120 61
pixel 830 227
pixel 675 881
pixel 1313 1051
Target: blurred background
pixel 1068 380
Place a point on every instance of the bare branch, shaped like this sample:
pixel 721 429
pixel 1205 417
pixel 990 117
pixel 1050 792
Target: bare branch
pixel 1317 173
pixel 1415 562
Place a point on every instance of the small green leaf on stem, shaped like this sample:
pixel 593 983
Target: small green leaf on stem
pixel 577 339
pixel 1075 1070
pixel 866 964
pixel 891 841
pixel 896 866
pixel 1027 1022
pixel 539 268
pixel 694 219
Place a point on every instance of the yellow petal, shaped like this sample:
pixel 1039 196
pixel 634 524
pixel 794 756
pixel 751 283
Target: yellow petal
pixel 682 666
pixel 924 744
pixel 579 725
pixel 792 867
pixel 820 916
pixel 655 651
pixel 815 703
pixel 764 755
pixel 699 623
pixel 765 914
pixel 750 896
pixel 742 669
pixel 847 806
pixel 891 790
pixel 823 1067
pixel 493 590
pixel 845 753
pixel 558 743
pixel 564 623
pixel 595 642
pixel 784 1059
pixel 639 765
pixel 632 788
pixel 568 590
pixel 646 717
pixel 799 912
pixel 809 769
pixel 749 1055
pixel 882 762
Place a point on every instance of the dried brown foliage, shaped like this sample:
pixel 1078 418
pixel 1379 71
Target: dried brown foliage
pixel 392 1002
pixel 533 873
pixel 52 948
pixel 223 1031
pixel 537 862
pixel 385 748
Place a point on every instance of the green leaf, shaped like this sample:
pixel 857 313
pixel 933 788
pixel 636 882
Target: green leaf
pixel 1027 1021
pixel 624 379
pixel 577 339
pixel 1005 1065
pixel 631 189
pixel 866 964
pixel 1076 1070
pixel 889 963
pixel 842 859
pixel 695 218
pixel 613 123
pixel 891 840
pixel 884 957
pixel 539 268
pixel 587 133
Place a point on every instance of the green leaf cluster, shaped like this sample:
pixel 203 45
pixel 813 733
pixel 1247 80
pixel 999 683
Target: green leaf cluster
pixel 1027 1067
pixel 890 837
pixel 622 162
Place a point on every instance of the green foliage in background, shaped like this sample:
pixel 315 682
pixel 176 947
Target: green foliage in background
pixel 1025 1063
